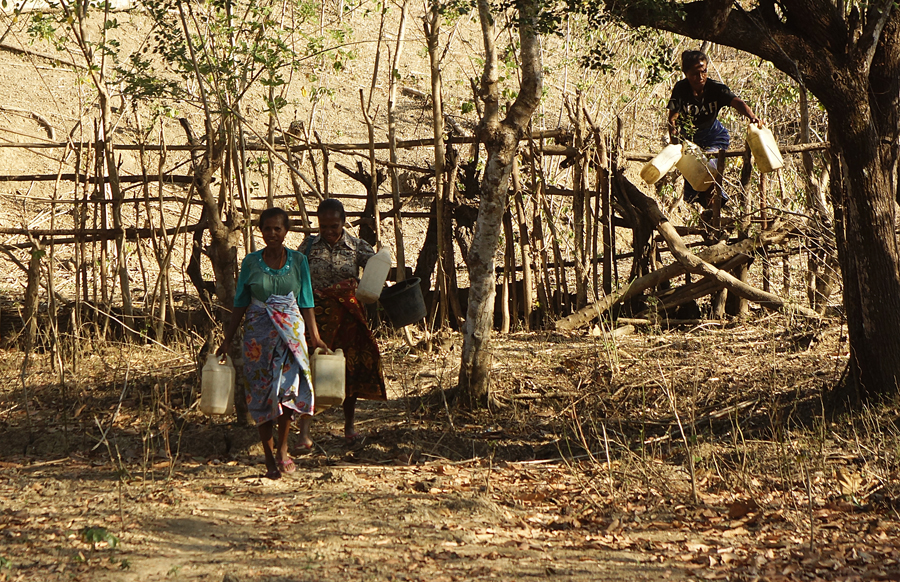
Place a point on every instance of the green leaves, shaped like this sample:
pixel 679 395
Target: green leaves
pixel 44 27
pixel 329 51
pixel 599 58
pixel 453 9
pixel 658 61
pixel 141 82
pixel 95 535
pixel 234 49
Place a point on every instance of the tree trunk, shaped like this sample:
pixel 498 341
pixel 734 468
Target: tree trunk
pixel 223 246
pixel 525 246
pixel 400 250
pixel 432 24
pixel 428 254
pixel 869 259
pixel 501 141
pixel 576 117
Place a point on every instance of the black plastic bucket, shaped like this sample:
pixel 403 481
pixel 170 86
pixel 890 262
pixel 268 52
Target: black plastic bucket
pixel 403 302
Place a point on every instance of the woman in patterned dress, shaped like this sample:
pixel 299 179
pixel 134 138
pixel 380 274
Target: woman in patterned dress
pixel 335 258
pixel 275 294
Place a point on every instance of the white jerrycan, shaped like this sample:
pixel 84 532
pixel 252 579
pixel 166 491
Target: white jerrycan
pixel 765 149
pixel 695 168
pixel 217 386
pixel 374 276
pixel 660 165
pixel 328 373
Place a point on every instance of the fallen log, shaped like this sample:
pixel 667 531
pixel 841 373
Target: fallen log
pixel 694 264
pixel 697 289
pixel 717 254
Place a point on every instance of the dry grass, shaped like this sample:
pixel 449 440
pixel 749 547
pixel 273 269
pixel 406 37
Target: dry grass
pixel 587 446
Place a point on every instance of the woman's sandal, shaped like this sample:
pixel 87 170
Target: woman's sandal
pixel 274 474
pixel 355 438
pixel 287 466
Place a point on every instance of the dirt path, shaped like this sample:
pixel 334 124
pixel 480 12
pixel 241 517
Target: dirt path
pixel 415 501
pixel 362 522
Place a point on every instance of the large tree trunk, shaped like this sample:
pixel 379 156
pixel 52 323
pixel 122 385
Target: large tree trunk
pixel 501 140
pixel 869 259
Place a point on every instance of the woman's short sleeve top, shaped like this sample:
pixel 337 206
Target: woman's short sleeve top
pixel 259 281
pixel 330 264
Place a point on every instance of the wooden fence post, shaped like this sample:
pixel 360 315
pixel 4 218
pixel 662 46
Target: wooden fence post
pixel 524 246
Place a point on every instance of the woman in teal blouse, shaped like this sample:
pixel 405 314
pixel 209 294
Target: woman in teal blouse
pixel 275 294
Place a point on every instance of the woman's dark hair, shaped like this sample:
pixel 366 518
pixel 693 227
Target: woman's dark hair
pixel 691 58
pixel 331 205
pixel 272 213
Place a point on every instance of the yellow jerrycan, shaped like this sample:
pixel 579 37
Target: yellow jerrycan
pixel 660 165
pixel 695 167
pixel 764 148
pixel 328 371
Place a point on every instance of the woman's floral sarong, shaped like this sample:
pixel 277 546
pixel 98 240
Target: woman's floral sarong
pixel 342 324
pixel 276 359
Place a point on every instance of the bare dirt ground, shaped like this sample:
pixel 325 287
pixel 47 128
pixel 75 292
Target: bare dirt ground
pixel 584 474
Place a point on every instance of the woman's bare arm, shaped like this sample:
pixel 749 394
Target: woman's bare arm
pixel 309 317
pixel 237 315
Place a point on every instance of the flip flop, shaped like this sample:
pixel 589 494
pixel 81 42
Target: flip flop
pixel 356 437
pixel 274 474
pixel 287 466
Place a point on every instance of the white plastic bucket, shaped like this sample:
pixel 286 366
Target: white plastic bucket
pixel 217 386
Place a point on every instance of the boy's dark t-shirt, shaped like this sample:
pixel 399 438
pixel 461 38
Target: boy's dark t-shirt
pixel 703 110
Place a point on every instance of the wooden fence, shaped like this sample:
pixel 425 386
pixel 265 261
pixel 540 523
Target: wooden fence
pixel 560 253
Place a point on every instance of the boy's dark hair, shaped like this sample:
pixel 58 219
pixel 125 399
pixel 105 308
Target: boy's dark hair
pixel 331 205
pixel 272 213
pixel 691 58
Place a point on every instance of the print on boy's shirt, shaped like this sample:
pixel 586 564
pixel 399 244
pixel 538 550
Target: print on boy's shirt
pixel 694 110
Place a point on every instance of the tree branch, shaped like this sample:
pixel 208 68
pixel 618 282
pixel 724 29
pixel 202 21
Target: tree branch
pixel 200 82
pixel 532 84
pixel 876 17
pixel 884 83
pixel 694 264
pixel 717 12
pixel 820 21
pixel 760 32
pixel 716 254
pixel 488 91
